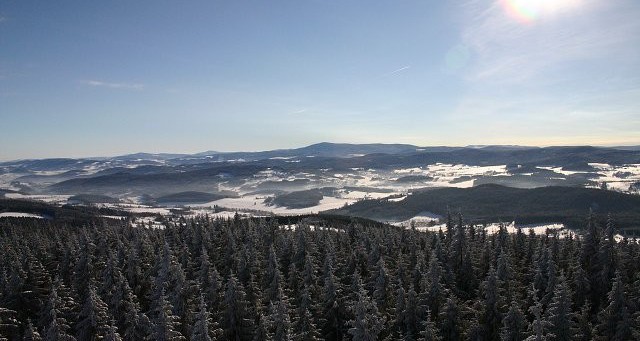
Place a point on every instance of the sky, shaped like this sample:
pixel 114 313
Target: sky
pixel 98 78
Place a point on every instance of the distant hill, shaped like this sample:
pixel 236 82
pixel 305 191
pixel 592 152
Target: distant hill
pixel 493 203
pixel 323 149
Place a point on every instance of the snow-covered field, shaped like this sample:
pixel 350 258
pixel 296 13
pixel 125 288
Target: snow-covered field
pixel 256 202
pixel 19 215
pixel 617 177
pixel 424 219
pixel 540 229
pixel 48 198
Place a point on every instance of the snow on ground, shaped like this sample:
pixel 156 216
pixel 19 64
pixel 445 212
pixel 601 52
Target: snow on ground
pixel 48 198
pixel 423 219
pixel 414 170
pixel 539 229
pixel 137 208
pixel 214 215
pixel 360 195
pixel 256 202
pixel 617 178
pixel 49 173
pixel 19 215
pixel 282 157
pixel 559 170
pixel 147 222
pixel 117 217
pixel 512 228
pixel 398 198
pixel 293 227
pixel 619 238
pixel 7 179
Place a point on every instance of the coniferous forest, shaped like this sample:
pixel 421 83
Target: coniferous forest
pixel 256 279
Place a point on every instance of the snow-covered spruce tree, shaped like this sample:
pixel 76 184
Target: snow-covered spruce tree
pixel 450 322
pixel 56 327
pixel 491 317
pixel 429 331
pixel 614 321
pixel 332 317
pixel 31 333
pixel 202 329
pixel 589 259
pixel 93 320
pixel 514 324
pixel 584 327
pixel 280 318
pixel 132 323
pixel 273 276
pixel 263 329
pixel 305 328
pixel 400 307
pixel 537 328
pixel 367 323
pixel 606 259
pixel 381 289
pixel 412 313
pixel 580 284
pixel 236 321
pixel 165 324
pixel 112 335
pixel 432 291
pixel 559 313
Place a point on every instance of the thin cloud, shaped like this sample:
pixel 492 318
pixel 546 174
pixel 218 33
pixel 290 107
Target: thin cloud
pixel 507 50
pixel 2 19
pixel 396 71
pixel 124 86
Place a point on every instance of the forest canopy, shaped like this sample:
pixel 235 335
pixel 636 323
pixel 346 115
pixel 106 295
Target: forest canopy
pixel 322 279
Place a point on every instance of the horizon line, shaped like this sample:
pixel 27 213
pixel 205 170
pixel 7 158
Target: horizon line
pixel 471 146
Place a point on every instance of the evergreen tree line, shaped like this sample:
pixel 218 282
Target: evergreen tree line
pixel 252 279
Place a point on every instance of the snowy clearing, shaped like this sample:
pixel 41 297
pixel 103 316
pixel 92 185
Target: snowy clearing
pixel 19 215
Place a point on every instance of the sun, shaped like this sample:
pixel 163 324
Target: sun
pixel 528 11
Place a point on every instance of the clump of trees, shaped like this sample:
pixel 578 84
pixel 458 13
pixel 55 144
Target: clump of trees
pixel 251 279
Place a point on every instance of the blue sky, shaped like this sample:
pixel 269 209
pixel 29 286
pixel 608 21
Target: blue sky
pixel 88 78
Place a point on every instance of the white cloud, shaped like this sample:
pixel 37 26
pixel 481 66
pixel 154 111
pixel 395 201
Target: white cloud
pixel 125 86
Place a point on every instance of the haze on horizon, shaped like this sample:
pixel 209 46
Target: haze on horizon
pixel 108 78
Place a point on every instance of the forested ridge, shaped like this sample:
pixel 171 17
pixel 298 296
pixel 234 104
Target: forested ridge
pixel 254 279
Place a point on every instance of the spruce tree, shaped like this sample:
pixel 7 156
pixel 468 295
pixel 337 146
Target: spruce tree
pixel 93 320
pixel 614 322
pixel 584 327
pixel 491 317
pixel 429 331
pixel 31 333
pixel 263 329
pixel 280 318
pixel 202 329
pixel 367 323
pixel 236 321
pixel 450 323
pixel 559 314
pixel 537 328
pixel 514 324
pixel 331 323
pixel 112 335
pixel 165 324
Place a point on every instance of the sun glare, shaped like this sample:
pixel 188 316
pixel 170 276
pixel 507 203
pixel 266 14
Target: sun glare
pixel 528 11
